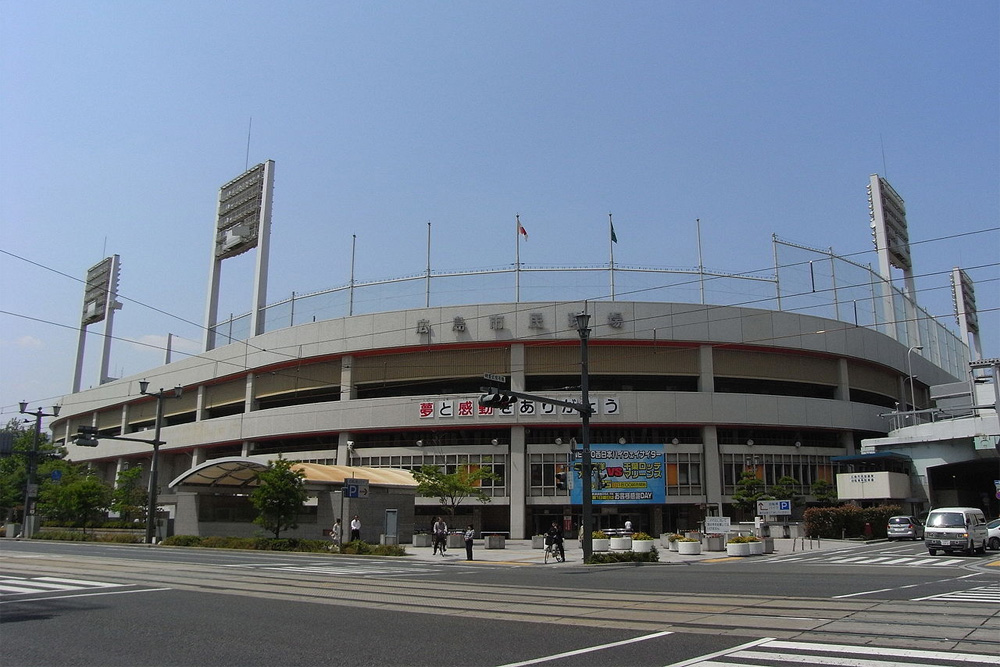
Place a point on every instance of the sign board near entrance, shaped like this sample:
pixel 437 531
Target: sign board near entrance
pixel 774 507
pixel 717 524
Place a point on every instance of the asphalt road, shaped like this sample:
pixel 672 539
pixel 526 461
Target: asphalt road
pixel 117 605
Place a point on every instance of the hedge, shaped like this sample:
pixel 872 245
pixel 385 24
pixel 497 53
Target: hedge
pixel 848 521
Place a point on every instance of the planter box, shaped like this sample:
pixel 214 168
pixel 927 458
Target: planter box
pixel 621 543
pixel 672 545
pixel 715 543
pixel 738 549
pixel 756 548
pixel 456 541
pixel 537 541
pixel 688 548
pixel 768 543
pixel 494 542
pixel 601 544
pixel 642 546
pixel 422 540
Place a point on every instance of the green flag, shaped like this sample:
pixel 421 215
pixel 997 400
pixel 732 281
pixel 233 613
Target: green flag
pixel 614 239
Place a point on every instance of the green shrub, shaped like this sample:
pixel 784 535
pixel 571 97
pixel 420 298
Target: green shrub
pixel 641 536
pixel 604 557
pixel 183 541
pixel 598 535
pixel 848 520
pixel 64 536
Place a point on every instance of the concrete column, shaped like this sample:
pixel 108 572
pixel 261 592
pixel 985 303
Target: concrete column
pixel 706 369
pixel 847 442
pixel 517 477
pixel 843 392
pixel 517 367
pixel 199 407
pixel 347 389
pixel 248 402
pixel 197 456
pixel 344 454
pixel 711 464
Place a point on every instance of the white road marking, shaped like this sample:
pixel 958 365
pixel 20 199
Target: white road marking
pixel 591 649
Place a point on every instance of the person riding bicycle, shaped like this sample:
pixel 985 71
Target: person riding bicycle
pixel 554 538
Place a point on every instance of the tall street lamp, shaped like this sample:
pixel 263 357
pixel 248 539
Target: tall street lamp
pixel 909 370
pixel 582 328
pixel 155 462
pixel 31 488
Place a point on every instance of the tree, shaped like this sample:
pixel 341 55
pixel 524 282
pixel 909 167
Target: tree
pixel 129 499
pixel 451 489
pixel 279 496
pixel 14 467
pixel 749 489
pixel 824 492
pixel 75 499
pixel 787 489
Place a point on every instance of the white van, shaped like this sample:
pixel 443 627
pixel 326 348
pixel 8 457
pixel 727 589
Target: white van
pixel 955 529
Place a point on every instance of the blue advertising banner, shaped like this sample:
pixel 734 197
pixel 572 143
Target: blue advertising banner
pixel 622 475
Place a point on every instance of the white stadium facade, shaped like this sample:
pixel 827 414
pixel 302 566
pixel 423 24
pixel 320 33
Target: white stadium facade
pixel 788 385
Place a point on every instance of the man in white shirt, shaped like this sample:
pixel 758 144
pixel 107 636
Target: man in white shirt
pixel 440 535
pixel 355 528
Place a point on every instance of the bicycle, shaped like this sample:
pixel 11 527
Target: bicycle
pixel 555 552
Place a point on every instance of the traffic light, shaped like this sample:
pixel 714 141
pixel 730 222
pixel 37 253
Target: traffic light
pixel 560 480
pixel 86 436
pixel 497 400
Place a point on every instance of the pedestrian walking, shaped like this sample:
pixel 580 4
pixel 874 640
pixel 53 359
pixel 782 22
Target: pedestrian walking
pixel 470 535
pixel 335 534
pixel 355 528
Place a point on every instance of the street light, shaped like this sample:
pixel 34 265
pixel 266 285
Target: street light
pixel 31 488
pixel 582 328
pixel 909 370
pixel 155 463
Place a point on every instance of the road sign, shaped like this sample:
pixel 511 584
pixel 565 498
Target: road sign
pixel 774 507
pixel 355 488
pixel 494 377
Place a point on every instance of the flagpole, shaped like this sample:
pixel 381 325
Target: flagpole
pixel 427 282
pixel 611 245
pixel 350 301
pixel 517 258
pixel 701 266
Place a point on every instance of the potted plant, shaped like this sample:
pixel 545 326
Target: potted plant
pixel 621 543
pixel 688 546
pixel 642 542
pixel 537 541
pixel 715 542
pixel 600 541
pixel 738 546
pixel 670 540
pixel 756 546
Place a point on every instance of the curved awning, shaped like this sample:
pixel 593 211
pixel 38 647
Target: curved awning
pixel 241 471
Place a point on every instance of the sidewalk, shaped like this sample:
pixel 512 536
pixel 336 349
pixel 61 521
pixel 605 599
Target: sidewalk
pixel 520 552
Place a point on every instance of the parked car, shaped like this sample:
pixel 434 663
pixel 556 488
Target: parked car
pixel 904 528
pixel 993 534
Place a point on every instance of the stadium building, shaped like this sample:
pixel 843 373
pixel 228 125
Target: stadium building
pixel 686 394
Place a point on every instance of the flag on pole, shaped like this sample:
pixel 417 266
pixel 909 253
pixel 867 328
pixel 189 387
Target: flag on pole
pixel 520 229
pixel 614 239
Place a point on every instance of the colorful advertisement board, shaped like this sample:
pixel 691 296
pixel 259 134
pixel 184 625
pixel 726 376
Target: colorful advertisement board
pixel 622 475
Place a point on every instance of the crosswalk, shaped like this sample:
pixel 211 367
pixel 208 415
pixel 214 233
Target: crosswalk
pixel 989 594
pixel 12 586
pixel 894 560
pixel 775 653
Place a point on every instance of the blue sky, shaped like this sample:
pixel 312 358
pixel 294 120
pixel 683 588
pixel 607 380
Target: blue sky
pixel 120 120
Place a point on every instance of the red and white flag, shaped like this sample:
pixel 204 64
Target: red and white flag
pixel 520 229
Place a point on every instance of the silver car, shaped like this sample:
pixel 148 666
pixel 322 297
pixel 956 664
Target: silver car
pixel 904 528
pixel 993 532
